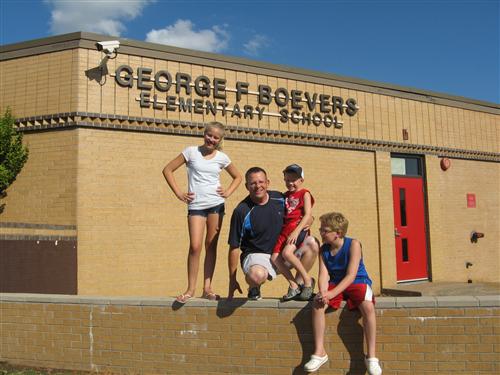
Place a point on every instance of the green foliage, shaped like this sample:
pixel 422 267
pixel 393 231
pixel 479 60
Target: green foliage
pixel 13 154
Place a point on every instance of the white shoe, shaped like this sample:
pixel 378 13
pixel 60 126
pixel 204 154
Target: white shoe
pixel 315 363
pixel 373 366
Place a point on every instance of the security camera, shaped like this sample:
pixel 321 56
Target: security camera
pixel 109 47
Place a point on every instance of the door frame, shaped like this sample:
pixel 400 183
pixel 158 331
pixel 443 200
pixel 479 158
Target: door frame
pixel 421 160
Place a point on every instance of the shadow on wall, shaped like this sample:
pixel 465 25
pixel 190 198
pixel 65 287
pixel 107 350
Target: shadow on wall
pixel 349 330
pixel 225 308
pixel 99 73
pixel 228 307
pixel 303 326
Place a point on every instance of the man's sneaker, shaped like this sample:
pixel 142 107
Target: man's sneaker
pixel 315 363
pixel 291 294
pixel 254 293
pixel 373 366
pixel 307 291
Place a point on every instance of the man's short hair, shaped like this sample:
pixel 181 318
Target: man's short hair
pixel 254 170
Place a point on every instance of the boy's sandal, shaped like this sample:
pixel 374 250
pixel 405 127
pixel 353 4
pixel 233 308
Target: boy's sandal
pixel 307 291
pixel 291 294
pixel 211 296
pixel 183 298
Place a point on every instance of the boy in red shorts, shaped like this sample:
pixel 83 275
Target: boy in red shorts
pixel 298 216
pixel 342 275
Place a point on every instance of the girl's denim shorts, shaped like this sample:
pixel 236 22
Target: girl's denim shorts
pixel 219 209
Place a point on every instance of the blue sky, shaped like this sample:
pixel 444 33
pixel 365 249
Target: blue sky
pixel 446 46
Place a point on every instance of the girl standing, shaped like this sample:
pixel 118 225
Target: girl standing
pixel 205 199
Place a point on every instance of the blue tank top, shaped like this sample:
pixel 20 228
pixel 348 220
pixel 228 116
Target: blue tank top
pixel 337 264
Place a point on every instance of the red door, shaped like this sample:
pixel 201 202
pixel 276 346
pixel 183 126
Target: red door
pixel 409 230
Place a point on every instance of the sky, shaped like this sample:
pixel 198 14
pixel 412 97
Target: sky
pixel 446 46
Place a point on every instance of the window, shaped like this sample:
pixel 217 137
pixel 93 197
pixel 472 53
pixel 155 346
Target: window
pixel 406 165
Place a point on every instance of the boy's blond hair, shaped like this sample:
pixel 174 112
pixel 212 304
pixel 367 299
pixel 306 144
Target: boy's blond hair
pixel 216 125
pixel 335 221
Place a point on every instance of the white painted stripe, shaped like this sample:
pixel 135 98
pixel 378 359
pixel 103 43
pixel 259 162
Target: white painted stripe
pixel 411 280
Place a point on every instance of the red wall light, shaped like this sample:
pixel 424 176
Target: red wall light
pixel 445 164
pixel 471 200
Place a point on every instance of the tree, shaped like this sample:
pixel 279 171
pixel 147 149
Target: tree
pixel 13 154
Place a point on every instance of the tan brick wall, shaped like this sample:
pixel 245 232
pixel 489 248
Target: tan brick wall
pixel 56 82
pixel 381 117
pixel 252 338
pixel 40 84
pixel 45 189
pixel 132 231
pixel 133 236
pixel 385 214
pixel 451 222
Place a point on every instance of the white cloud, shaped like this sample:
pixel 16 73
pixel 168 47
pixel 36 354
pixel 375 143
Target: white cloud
pixel 103 17
pixel 183 34
pixel 254 45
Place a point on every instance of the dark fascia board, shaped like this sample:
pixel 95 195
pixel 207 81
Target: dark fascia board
pixel 160 51
pixel 42 42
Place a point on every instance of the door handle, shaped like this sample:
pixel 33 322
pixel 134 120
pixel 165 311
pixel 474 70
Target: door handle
pixel 396 233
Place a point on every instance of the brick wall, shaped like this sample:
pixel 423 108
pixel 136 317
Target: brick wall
pixel 126 211
pixel 41 84
pixel 45 190
pixel 132 231
pixel 448 213
pixel 426 335
pixel 38 266
pixel 62 85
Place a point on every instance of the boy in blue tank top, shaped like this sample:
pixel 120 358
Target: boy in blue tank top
pixel 342 275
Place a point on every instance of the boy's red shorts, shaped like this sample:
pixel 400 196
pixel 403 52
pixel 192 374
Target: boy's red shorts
pixel 281 242
pixel 354 294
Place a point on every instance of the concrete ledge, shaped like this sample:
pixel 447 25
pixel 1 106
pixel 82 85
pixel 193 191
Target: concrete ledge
pixel 381 302
pixel 489 301
pixel 457 301
pixel 416 302
pixel 385 302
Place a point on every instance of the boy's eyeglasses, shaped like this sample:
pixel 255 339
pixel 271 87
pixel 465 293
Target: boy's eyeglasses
pixel 325 230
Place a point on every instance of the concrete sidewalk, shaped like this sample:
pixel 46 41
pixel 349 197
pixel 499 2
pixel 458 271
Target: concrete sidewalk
pixel 426 288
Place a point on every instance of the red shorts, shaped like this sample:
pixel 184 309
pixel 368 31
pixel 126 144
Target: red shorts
pixel 285 232
pixel 354 294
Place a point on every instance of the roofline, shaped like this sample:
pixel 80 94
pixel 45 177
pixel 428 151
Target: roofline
pixel 160 51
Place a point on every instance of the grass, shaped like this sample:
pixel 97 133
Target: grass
pixel 8 369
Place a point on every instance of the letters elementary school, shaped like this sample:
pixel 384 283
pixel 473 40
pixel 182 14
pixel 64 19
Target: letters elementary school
pixel 302 103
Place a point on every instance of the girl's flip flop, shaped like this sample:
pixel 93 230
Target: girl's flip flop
pixel 211 296
pixel 183 298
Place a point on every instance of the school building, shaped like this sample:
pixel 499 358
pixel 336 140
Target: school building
pixel 417 173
